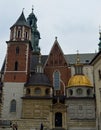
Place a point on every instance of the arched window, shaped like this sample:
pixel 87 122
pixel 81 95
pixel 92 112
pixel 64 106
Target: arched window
pixel 27 91
pixel 56 80
pixel 70 92
pixel 17 50
pixel 79 91
pixel 37 90
pixel 19 33
pixel 26 35
pixel 16 66
pixel 47 91
pixel 13 106
pixel 88 92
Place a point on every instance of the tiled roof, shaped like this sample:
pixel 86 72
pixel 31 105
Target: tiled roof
pixel 21 21
pixel 84 58
pixel 38 79
pixel 71 59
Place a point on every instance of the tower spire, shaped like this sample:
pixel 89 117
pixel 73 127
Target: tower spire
pixel 99 38
pixel 35 35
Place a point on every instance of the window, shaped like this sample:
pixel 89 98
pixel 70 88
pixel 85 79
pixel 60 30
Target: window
pixel 17 50
pixel 19 33
pixel 16 66
pixel 79 91
pixel 47 91
pixel 56 80
pixel 70 92
pixel 99 72
pixel 88 92
pixel 37 91
pixel 13 106
pixel 28 91
pixel 87 61
pixel 26 35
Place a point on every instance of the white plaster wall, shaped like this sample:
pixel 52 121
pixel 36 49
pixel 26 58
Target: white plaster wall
pixel 87 111
pixel 88 71
pixel 12 91
pixel 97 67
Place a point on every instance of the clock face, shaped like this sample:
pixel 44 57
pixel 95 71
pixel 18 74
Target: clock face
pixel 79 91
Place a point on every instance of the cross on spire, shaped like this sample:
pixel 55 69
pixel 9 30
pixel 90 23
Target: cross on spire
pixel 23 9
pixel 32 8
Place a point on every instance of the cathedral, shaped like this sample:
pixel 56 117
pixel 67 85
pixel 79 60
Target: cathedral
pixel 45 92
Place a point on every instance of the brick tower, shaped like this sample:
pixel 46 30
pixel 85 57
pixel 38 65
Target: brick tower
pixel 16 67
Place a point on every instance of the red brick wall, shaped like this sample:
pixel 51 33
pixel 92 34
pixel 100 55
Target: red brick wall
pixel 10 74
pixel 65 73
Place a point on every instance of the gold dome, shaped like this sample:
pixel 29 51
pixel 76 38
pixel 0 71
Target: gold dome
pixel 79 80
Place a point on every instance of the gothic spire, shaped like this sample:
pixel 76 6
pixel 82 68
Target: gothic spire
pixel 21 21
pixel 35 35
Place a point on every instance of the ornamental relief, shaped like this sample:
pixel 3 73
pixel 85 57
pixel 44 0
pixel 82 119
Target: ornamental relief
pixel 59 107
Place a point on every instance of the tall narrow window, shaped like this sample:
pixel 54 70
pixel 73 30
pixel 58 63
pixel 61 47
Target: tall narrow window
pixel 56 80
pixel 88 92
pixel 13 106
pixel 17 50
pixel 16 66
pixel 99 74
pixel 26 35
pixel 19 33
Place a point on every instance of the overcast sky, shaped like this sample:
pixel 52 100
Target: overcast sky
pixel 74 22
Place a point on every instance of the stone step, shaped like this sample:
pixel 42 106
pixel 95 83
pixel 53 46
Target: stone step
pixel 58 128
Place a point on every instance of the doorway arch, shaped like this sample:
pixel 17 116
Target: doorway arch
pixel 58 119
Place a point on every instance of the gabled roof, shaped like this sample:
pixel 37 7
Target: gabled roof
pixel 21 21
pixel 56 44
pixel 84 58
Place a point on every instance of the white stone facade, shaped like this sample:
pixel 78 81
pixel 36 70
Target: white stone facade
pixel 12 91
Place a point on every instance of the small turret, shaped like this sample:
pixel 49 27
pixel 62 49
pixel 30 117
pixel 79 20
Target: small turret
pixel 35 35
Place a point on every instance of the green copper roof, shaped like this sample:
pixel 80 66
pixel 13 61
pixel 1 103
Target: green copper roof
pixel 32 21
pixel 21 21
